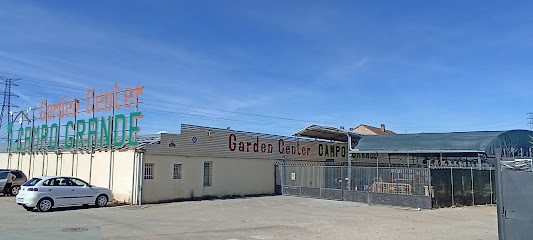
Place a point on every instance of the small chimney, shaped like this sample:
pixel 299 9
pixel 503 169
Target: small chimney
pixel 383 127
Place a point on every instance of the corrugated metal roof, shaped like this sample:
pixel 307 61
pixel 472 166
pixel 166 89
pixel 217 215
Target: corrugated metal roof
pixel 328 133
pixel 485 141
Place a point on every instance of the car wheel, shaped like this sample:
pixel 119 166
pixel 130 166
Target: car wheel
pixel 101 201
pixel 44 205
pixel 14 190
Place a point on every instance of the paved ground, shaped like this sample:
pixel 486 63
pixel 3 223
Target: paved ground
pixel 274 217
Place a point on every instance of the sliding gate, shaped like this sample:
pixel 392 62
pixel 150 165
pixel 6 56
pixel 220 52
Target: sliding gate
pixel 397 186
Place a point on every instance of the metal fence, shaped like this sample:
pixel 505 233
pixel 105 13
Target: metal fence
pixel 400 186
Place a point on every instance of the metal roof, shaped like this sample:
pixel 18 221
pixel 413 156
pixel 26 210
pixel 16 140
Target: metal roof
pixel 328 133
pixel 482 142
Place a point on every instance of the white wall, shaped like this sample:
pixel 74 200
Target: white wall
pixel 96 172
pixel 230 176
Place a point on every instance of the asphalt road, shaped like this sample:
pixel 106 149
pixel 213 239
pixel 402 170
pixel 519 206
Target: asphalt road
pixel 272 217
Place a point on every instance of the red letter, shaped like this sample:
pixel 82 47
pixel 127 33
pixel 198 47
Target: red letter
pixel 233 146
pixel 88 105
pixel 117 106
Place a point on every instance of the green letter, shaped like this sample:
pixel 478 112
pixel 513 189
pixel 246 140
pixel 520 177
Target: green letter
pixel 55 138
pixel 27 138
pixel 116 143
pixel 44 135
pixel 79 133
pixel 92 133
pixel 106 131
pixel 134 128
pixel 68 140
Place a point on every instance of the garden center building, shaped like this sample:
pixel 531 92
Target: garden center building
pixel 204 162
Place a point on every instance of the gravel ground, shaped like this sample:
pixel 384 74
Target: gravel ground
pixel 273 217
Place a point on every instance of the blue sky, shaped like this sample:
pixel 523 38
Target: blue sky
pixel 278 66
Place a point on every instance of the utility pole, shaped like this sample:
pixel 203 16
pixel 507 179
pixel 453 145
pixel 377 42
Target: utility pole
pixel 6 105
pixel 530 120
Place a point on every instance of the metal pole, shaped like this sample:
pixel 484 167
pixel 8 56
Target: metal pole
pixel 491 192
pixel 349 161
pixel 111 143
pixel 141 178
pixel 73 151
pixel 472 178
pixel 133 175
pixel 92 146
pixel 453 198
pixel 31 141
pixel 377 168
pixel 430 187
pixel 43 143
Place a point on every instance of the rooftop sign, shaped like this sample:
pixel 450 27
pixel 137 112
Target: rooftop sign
pixel 96 133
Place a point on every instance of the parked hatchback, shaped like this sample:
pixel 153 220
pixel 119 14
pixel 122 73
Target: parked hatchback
pixel 43 193
pixel 11 180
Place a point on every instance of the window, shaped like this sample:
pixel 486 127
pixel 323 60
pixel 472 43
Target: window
pixel 177 171
pixel 31 182
pixel 208 174
pixel 77 182
pixel 17 174
pixel 48 182
pixel 60 182
pixel 148 171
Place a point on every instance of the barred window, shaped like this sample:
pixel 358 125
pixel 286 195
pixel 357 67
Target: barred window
pixel 148 171
pixel 208 174
pixel 177 171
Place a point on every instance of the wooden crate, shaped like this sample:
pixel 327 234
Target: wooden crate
pixel 392 188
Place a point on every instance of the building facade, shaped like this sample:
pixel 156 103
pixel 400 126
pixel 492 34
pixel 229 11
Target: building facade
pixel 200 162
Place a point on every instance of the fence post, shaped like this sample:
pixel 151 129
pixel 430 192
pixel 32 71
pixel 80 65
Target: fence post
pixel 342 183
pixel 301 179
pixel 453 198
pixel 490 181
pixel 430 187
pixel 472 179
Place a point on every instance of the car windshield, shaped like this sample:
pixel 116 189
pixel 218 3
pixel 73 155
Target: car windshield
pixel 31 182
pixel 3 175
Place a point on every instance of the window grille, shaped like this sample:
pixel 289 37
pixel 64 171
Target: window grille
pixel 177 171
pixel 208 174
pixel 148 171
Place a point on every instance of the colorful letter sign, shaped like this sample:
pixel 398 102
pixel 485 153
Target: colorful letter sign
pixel 96 133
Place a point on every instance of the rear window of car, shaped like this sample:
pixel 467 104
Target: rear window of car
pixel 17 174
pixel 3 175
pixel 32 182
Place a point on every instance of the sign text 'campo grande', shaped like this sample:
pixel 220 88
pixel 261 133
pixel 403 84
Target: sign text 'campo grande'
pixel 97 133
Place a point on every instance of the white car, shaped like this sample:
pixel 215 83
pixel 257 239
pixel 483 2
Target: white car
pixel 44 193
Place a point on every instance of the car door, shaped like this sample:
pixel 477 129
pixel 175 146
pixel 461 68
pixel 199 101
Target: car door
pixel 61 192
pixel 83 193
pixel 3 180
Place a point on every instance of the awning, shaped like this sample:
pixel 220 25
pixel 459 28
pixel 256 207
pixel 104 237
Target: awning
pixel 327 133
